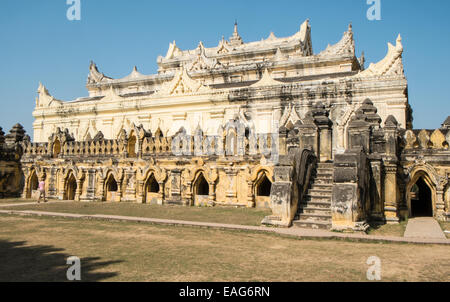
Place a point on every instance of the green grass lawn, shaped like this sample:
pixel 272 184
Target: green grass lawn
pixel 397 230
pixel 36 249
pixel 229 215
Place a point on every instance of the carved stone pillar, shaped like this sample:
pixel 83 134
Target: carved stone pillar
pixel 440 202
pixel 376 190
pixel 90 192
pixel 26 185
pixel 250 197
pixel 78 190
pixel 130 190
pixel 52 182
pixel 119 191
pixel 323 123
pixel 390 193
pixel 231 193
pixel 101 187
pixel 212 194
pixel 161 192
pixel 62 187
pixel 175 189
pixel 140 194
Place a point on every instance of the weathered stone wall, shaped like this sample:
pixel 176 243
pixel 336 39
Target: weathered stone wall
pixel 11 176
pixel 230 168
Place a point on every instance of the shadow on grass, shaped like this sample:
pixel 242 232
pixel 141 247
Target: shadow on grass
pixel 43 263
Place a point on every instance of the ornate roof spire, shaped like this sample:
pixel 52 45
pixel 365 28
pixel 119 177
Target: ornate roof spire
pixel 96 76
pixel 391 65
pixel 235 39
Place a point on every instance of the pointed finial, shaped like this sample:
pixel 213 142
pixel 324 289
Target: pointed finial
pixel 350 27
pixel 235 27
pixel 135 69
pixel 399 38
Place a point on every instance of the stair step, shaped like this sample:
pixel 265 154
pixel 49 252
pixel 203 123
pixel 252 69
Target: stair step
pixel 316 204
pixel 323 181
pixel 315 217
pixel 314 198
pixel 312 224
pixel 322 175
pixel 328 165
pixel 316 210
pixel 320 192
pixel 325 170
pixel 327 187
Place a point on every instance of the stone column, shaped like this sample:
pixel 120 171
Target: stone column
pixel 131 185
pixel 90 192
pixel 250 197
pixel 52 180
pixel 161 193
pixel 119 191
pixel 101 186
pixel 62 187
pixel 212 194
pixel 440 203
pixel 231 193
pixel 25 188
pixel 78 190
pixel 376 190
pixel 141 189
pixel 390 193
pixel 323 123
pixel 175 190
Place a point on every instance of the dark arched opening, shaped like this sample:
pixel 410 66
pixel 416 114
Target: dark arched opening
pixel 151 189
pixel 71 188
pixel 201 186
pixel 263 187
pixel 33 184
pixel 421 200
pixel 111 188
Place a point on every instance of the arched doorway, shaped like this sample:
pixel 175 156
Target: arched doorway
pixel 71 188
pixel 111 188
pixel 33 184
pixel 421 199
pixel 151 189
pixel 201 190
pixel 263 187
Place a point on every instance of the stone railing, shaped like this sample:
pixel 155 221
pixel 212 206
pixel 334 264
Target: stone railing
pixel 231 143
pixel 438 139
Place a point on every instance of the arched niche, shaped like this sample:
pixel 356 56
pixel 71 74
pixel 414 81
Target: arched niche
pixel 151 189
pixel 200 189
pixel 111 188
pixel 33 183
pixel 71 187
pixel 263 187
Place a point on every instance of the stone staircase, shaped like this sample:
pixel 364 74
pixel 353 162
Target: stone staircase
pixel 314 212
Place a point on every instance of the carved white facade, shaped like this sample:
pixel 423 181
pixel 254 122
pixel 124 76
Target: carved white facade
pixel 269 83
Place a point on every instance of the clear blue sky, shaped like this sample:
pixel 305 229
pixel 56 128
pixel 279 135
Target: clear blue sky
pixel 38 43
